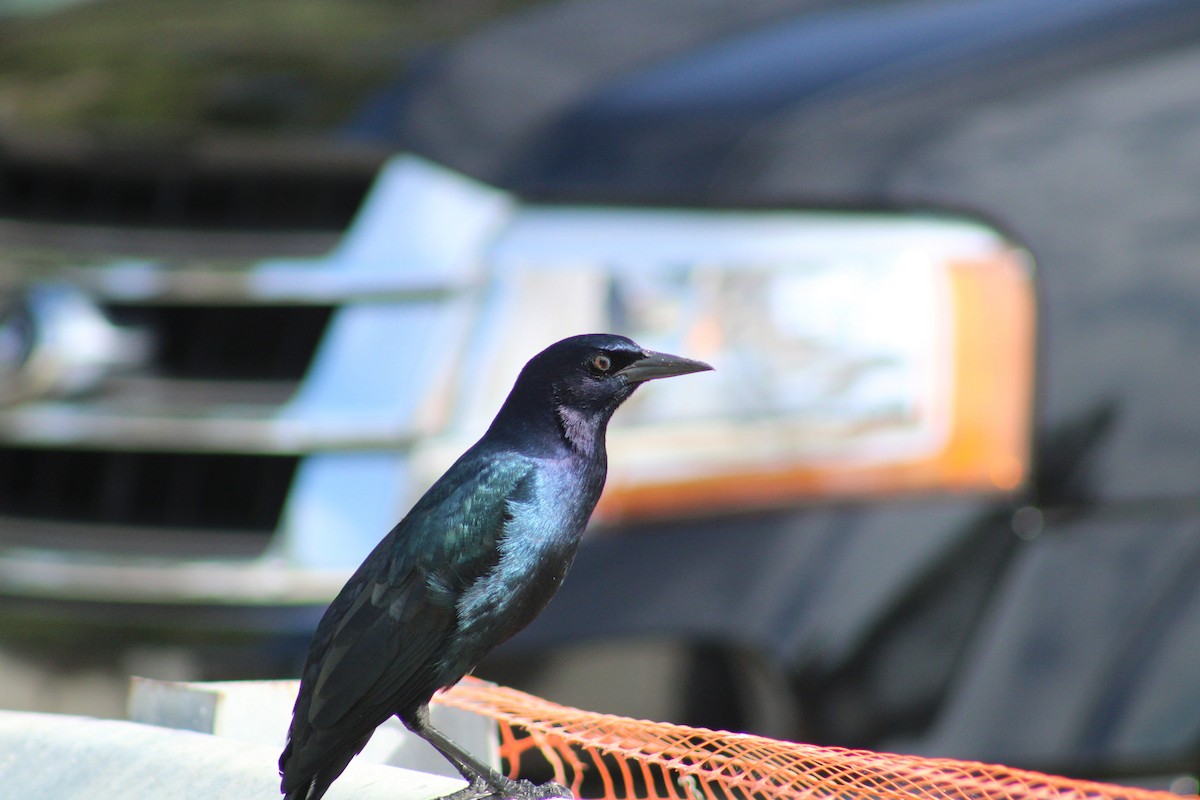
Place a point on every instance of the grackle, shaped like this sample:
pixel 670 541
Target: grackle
pixel 474 561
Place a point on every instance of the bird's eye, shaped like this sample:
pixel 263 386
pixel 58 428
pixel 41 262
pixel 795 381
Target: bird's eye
pixel 601 362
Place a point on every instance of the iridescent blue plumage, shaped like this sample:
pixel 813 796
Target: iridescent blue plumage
pixel 473 562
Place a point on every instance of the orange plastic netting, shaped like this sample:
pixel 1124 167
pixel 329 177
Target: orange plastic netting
pixel 626 758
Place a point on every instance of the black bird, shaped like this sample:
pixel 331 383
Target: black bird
pixel 474 561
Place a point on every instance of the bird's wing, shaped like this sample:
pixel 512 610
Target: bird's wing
pixel 377 650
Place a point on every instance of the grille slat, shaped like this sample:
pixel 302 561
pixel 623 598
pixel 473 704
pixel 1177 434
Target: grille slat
pixel 136 192
pixel 241 494
pixel 222 342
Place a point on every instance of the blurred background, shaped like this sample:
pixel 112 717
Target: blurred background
pixel 266 268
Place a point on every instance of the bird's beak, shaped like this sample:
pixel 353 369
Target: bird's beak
pixel 661 365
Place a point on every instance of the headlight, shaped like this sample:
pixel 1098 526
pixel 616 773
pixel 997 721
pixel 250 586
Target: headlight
pixel 855 354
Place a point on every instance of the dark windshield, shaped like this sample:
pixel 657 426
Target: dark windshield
pixel 203 66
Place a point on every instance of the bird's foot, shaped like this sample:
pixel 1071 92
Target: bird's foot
pixel 540 791
pixel 511 790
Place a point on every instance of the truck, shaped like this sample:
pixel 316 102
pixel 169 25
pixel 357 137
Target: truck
pixel 939 496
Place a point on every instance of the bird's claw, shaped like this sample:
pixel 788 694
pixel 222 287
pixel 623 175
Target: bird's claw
pixel 511 790
pixel 542 791
pixel 476 790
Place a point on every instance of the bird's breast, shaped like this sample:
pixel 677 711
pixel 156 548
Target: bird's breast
pixel 539 543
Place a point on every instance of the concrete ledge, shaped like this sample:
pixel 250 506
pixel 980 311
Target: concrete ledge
pixel 56 757
pixel 260 712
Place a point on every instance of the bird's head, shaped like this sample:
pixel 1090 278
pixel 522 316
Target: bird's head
pixel 583 379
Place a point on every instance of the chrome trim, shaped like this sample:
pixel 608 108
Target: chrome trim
pixel 29 573
pixel 118 540
pixel 219 431
pixel 270 284
pixel 37 245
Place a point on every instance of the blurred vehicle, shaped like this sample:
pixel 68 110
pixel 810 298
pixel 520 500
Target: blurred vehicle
pixel 230 362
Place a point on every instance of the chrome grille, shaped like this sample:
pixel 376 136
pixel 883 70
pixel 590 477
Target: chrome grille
pixel 277 380
pixel 68 211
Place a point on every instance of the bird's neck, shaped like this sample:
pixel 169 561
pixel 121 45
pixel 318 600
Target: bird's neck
pixel 551 428
pixel 584 434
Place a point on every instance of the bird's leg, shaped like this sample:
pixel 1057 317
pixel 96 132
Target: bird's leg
pixel 482 780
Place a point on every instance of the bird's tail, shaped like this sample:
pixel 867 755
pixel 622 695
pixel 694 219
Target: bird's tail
pixel 311 791
pixel 309 784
